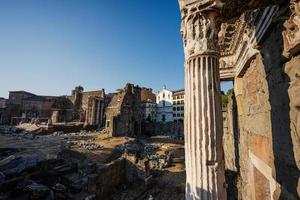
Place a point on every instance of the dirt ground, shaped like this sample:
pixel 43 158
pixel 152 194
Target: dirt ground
pixel 168 183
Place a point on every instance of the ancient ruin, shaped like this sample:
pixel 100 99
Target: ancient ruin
pixel 124 114
pixel 196 143
pixel 251 43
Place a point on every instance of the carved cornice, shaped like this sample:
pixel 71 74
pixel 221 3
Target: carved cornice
pixel 239 40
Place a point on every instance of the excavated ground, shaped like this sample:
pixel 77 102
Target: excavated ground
pixel 96 149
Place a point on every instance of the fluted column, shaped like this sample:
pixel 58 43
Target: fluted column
pixel 203 118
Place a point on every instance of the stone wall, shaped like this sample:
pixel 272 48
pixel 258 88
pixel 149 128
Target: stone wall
pixel 168 128
pixel 266 157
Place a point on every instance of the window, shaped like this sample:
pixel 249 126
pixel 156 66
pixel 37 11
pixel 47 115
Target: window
pixel 174 108
pixel 107 123
pixel 164 103
pixel 163 95
pixel 178 108
pixel 163 118
pixel 174 115
pixel 182 108
pixel 182 115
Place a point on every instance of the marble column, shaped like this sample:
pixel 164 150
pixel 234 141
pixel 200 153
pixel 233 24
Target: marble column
pixel 203 116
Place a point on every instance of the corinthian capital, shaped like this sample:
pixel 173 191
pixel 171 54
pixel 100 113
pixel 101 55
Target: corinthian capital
pixel 199 28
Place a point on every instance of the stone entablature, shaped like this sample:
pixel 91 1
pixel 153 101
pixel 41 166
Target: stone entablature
pixel 239 40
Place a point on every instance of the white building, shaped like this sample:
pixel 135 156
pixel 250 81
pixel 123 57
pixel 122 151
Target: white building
pixel 178 105
pixel 164 108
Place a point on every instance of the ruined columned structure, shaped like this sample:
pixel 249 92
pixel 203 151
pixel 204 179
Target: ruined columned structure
pixel 203 118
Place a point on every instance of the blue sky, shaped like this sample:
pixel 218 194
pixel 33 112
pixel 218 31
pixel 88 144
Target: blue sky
pixel 49 46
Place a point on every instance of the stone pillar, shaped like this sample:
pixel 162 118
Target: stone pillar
pixel 203 116
pixel 94 109
pixel 98 112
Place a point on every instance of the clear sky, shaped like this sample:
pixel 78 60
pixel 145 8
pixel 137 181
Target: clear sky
pixel 49 46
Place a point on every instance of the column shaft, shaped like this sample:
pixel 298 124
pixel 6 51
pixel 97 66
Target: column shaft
pixel 203 125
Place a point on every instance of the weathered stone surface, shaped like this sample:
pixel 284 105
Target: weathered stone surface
pixel 266 146
pixel 291 35
pixel 292 69
pixel 124 114
pixel 230 137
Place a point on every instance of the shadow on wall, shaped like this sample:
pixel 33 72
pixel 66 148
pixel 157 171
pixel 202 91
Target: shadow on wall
pixel 236 136
pixel 286 170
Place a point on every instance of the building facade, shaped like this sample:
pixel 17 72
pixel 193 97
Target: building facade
pixel 3 102
pixel 178 105
pixel 164 109
pixel 149 109
pixel 148 99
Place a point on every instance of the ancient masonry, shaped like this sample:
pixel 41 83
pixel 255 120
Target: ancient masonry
pixel 88 106
pixel 124 113
pixel 256 45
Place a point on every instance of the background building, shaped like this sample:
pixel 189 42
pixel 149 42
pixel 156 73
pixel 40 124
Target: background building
pixel 3 102
pixel 178 105
pixel 148 99
pixel 149 111
pixel 164 109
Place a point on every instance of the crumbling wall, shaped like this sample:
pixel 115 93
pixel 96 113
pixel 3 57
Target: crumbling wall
pixel 124 114
pixel 147 95
pixel 88 107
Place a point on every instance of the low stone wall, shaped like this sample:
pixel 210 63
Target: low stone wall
pixel 169 128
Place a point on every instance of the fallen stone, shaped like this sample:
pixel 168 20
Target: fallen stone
pixel 90 197
pixel 38 191
pixel 7 160
pixel 59 187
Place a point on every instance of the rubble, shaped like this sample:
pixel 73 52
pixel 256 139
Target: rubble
pixel 75 169
pixel 91 146
pixel 38 191
pixel 17 132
